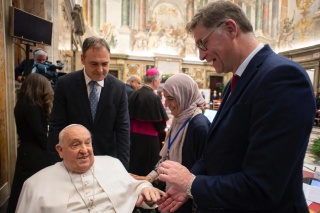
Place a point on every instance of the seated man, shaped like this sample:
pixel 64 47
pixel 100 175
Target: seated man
pixel 84 183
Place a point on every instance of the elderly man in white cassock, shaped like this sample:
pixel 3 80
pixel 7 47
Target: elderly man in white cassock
pixel 83 182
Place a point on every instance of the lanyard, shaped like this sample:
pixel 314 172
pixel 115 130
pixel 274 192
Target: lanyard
pixel 175 137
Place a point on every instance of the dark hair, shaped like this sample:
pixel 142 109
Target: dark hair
pixel 215 12
pixel 36 89
pixel 94 42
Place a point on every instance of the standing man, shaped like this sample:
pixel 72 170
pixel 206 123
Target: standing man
pixel 148 120
pixel 133 84
pixel 39 57
pixel 96 100
pixel 255 149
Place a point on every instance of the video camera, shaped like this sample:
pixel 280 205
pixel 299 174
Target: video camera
pixel 49 70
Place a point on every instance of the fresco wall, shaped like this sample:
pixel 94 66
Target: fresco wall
pixel 157 27
pixel 300 28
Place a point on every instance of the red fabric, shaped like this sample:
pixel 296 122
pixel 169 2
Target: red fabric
pixel 234 81
pixel 143 127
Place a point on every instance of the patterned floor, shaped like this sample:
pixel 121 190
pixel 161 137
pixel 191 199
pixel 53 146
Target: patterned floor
pixel 312 162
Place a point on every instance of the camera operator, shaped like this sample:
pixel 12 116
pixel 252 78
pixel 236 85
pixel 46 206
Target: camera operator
pixel 39 56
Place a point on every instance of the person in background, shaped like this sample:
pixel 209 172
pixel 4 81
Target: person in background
pixel 32 111
pixel 148 120
pixel 214 96
pixel 83 182
pixel 256 145
pixel 133 84
pixel 202 94
pixel 186 138
pixel 39 57
pixel 95 99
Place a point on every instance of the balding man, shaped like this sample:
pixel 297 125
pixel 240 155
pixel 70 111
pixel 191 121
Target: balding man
pixel 133 84
pixel 83 182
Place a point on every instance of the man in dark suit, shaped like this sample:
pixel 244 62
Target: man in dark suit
pixel 39 57
pixel 255 148
pixel 133 84
pixel 109 123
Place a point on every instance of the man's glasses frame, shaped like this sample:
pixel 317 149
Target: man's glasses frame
pixel 201 44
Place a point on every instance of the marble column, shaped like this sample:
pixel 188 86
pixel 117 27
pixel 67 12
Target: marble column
pixel 248 12
pixel 142 16
pixel 8 134
pixel 96 15
pixel 265 23
pixel 258 26
pixel 89 13
pixel 275 19
pixel 103 11
pixel 124 31
pixel 125 12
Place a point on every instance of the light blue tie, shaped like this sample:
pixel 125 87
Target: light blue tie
pixel 93 97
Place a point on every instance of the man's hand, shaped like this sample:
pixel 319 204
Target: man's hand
pixel 150 195
pixel 172 200
pixel 175 174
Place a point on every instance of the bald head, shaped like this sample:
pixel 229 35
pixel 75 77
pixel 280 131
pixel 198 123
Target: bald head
pixel 134 81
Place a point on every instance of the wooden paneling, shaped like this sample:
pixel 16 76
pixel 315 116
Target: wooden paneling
pixel 3 115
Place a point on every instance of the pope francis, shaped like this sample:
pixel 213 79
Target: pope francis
pixel 83 182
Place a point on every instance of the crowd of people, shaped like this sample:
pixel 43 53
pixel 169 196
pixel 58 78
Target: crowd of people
pixel 102 151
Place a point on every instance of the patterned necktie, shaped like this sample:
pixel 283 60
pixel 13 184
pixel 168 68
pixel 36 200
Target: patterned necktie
pixel 93 97
pixel 234 82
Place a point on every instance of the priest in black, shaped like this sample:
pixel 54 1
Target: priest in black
pixel 148 119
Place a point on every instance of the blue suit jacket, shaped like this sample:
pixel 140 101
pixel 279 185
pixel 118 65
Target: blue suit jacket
pixel 254 154
pixel 111 128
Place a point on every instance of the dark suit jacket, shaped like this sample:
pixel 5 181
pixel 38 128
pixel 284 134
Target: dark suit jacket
pixel 129 90
pixel 21 68
pixel 111 128
pixel 254 155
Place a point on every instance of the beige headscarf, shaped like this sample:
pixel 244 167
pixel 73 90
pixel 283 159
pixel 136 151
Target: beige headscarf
pixel 186 93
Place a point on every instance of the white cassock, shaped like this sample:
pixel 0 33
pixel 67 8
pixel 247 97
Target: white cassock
pixel 49 190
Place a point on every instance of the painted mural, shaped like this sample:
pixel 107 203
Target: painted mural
pixel 164 32
pixel 160 29
pixel 299 28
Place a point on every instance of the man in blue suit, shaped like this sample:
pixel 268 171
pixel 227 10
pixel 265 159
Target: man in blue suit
pixel 255 148
pixel 109 124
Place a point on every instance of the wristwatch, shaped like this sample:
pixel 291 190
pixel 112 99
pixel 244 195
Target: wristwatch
pixel 189 186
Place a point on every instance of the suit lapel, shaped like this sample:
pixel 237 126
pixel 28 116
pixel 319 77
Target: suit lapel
pixel 245 79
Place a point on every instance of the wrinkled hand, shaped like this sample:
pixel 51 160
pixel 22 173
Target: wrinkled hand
pixel 175 174
pixel 137 177
pixel 150 195
pixel 172 200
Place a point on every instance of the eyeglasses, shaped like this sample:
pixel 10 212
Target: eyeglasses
pixel 201 44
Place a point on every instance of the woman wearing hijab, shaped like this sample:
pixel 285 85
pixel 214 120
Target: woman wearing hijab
pixel 31 112
pixel 186 137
